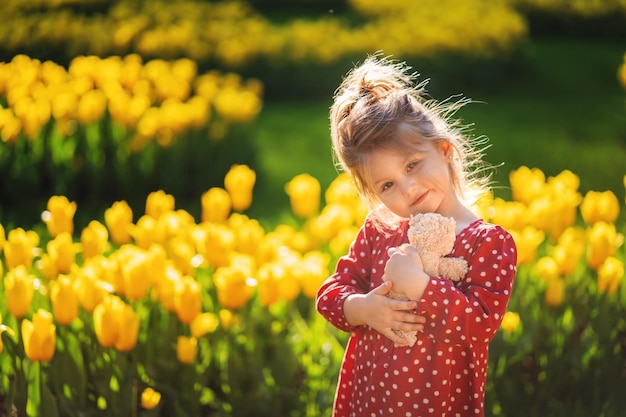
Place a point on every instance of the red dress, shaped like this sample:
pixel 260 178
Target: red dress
pixel 444 373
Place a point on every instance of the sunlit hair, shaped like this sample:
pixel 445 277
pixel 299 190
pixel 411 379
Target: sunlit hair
pixel 380 105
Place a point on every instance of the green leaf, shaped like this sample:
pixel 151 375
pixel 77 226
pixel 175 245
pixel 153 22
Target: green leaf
pixel 33 404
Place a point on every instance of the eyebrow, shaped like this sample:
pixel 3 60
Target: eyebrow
pixel 405 160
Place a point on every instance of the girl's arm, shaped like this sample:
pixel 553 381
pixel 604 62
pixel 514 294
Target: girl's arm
pixel 472 312
pixel 348 301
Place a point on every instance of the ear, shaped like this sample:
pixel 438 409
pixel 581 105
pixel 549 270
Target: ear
pixel 447 149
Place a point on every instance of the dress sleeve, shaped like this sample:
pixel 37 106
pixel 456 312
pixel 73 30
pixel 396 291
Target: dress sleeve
pixel 352 276
pixel 471 312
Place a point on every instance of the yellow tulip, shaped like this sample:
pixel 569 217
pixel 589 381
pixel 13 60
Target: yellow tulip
pixel 342 190
pixel 269 281
pixel 187 299
pixel 128 323
pixel 203 323
pixel 116 324
pixel 610 275
pixel 216 205
pixel 228 319
pixel 118 219
pixel 547 268
pixel 135 269
pixel 249 234
pixel 166 287
pixel 527 241
pixel 527 184
pixel 146 232
pixel 313 271
pixel 59 216
pixel 555 293
pixel 94 239
pixel 603 242
pixel 2 237
pixel 510 322
pixel 233 290
pixel 89 289
pixel 599 206
pixel 182 252
pixel 186 349
pixel 19 290
pixel 19 248
pixel 239 182
pixel 150 398
pixel 64 300
pixel 158 203
pixel 333 218
pixel 512 215
pixel 62 252
pixel 567 257
pixel 219 243
pixel 47 266
pixel 91 106
pixel 304 193
pixel 105 317
pixel 39 336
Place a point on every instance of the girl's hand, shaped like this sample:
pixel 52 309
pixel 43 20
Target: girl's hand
pixel 405 269
pixel 383 314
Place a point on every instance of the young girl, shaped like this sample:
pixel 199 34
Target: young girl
pixel 407 157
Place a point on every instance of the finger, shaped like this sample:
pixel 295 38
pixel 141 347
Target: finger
pixel 395 338
pixel 404 305
pixel 410 250
pixel 383 288
pixel 404 247
pixel 391 251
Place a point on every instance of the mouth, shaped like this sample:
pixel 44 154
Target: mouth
pixel 419 200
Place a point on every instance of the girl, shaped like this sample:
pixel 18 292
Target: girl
pixel 406 157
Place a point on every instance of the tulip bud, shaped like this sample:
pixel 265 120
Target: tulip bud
pixel 187 299
pixel 64 300
pixel 610 274
pixel 203 323
pixel 510 322
pixel 119 218
pixel 105 321
pixel 603 242
pixel 527 184
pixel 599 206
pixel 555 293
pixel 19 248
pixel 216 205
pixel 128 323
pixel 239 182
pixel 158 202
pixel 150 398
pixel 62 252
pixel 304 193
pixel 59 216
pixel 233 290
pixel 39 336
pixel 94 239
pixel 186 349
pixel 19 290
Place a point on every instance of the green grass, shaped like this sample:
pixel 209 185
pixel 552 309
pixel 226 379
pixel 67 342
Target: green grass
pixel 561 108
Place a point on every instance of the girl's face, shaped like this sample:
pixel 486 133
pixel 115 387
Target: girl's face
pixel 415 181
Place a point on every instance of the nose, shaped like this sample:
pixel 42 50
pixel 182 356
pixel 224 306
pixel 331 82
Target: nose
pixel 408 186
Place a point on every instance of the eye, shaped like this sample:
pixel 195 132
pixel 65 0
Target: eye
pixel 386 186
pixel 411 165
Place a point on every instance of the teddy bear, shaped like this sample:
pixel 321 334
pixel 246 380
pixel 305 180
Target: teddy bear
pixel 433 236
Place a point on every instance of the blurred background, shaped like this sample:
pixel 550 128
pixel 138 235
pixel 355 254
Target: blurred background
pixel 543 74
pixel 152 102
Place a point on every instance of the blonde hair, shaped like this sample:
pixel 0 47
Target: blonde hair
pixel 374 107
